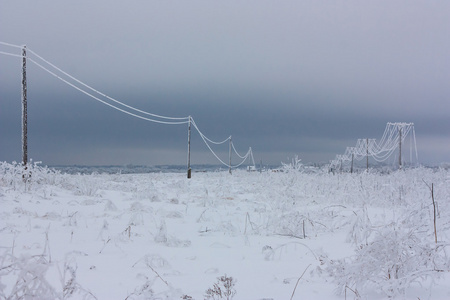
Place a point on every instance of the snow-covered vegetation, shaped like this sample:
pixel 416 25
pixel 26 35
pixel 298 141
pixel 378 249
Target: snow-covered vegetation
pixel 289 234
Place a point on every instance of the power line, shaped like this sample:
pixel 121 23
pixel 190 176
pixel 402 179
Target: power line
pixel 11 45
pixel 206 140
pixel 393 136
pixel 174 120
pixel 104 102
pixel 106 96
pixel 10 54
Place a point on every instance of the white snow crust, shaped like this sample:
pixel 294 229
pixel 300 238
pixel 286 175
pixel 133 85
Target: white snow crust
pixel 163 236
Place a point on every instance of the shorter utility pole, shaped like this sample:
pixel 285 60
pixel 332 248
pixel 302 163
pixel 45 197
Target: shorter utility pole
pixel 351 169
pixel 367 154
pixel 189 150
pixel 24 109
pixel 230 154
pixel 400 148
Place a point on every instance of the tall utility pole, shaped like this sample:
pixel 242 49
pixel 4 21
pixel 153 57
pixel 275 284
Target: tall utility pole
pixel 24 108
pixel 400 148
pixel 230 154
pixel 189 150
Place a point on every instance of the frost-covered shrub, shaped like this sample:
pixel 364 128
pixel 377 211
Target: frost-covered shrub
pixel 222 289
pixel 395 256
pixel 294 165
pixel 86 185
pixel 15 175
pixel 289 224
pixel 29 274
pixel 361 228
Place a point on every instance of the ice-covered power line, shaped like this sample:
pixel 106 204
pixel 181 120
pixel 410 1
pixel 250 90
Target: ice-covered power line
pixel 104 102
pixel 10 45
pixel 394 135
pixel 172 120
pixel 106 96
pixel 86 89
pixel 207 141
pixel 10 54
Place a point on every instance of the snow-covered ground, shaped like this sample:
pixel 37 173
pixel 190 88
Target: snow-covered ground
pixel 270 235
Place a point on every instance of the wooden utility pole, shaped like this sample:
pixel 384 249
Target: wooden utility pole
pixel 189 150
pixel 351 169
pixel 400 148
pixel 230 155
pixel 367 154
pixel 24 109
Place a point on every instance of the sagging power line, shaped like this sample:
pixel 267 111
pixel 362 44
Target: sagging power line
pixel 393 137
pixel 120 106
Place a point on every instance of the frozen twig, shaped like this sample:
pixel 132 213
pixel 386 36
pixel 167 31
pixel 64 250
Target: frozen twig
pixel 293 292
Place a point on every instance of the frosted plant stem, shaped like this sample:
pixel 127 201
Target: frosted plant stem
pixel 293 292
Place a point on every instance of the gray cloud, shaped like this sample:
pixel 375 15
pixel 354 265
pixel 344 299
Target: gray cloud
pixel 287 78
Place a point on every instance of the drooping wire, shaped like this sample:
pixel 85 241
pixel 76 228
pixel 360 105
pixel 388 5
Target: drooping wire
pixel 382 150
pixel 176 120
pixel 10 45
pixel 185 119
pixel 206 140
pixel 102 101
pixel 234 149
pixel 104 95
pixel 10 54
pixel 206 143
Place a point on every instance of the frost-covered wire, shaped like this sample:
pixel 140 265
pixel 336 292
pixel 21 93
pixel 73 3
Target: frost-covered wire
pixel 232 145
pixel 104 95
pixel 10 54
pixel 393 134
pixel 102 101
pixel 173 120
pixel 180 120
pixel 206 140
pixel 243 160
pixel 84 84
pixel 10 45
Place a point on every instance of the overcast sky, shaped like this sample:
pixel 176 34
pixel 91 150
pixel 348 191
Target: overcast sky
pixel 286 78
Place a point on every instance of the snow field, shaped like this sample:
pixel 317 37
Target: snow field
pixel 162 236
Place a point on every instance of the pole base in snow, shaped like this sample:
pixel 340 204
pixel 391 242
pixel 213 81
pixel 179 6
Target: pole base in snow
pixel 189 173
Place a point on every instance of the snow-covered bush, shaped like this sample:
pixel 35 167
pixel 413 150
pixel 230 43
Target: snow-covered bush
pixel 393 257
pixel 294 165
pixel 86 185
pixel 28 275
pixel 16 176
pixel 222 289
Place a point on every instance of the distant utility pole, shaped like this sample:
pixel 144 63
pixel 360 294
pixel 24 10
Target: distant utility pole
pixel 24 108
pixel 351 169
pixel 367 154
pixel 400 148
pixel 230 154
pixel 189 150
